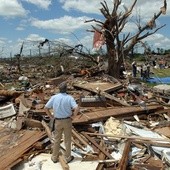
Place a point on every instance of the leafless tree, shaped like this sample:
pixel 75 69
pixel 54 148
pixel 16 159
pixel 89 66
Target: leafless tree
pixel 119 45
pixel 18 58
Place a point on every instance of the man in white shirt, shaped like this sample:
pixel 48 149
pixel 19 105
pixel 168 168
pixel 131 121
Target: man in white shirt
pixel 62 105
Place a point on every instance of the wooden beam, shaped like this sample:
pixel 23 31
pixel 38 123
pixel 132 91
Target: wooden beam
pixel 117 112
pixel 104 93
pixel 75 134
pixel 25 143
pixel 97 145
pixel 142 139
pixel 63 163
pixel 47 129
pixel 125 156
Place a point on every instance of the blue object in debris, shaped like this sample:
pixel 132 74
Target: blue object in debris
pixel 158 80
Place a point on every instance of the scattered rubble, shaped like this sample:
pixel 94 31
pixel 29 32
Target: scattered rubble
pixel 121 125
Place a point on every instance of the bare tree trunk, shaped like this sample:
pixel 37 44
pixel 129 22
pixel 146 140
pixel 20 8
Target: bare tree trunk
pixel 117 45
pixel 113 65
pixel 115 58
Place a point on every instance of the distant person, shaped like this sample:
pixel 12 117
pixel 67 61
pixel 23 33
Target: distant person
pixel 134 69
pixel 166 64
pixel 141 71
pixel 161 63
pixel 148 71
pixel 154 63
pixel 144 68
pixel 122 70
pixel 62 105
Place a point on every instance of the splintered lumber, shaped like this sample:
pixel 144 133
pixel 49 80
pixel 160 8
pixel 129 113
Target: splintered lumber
pixel 92 87
pixel 102 156
pixel 13 148
pixel 100 166
pixel 133 138
pixel 125 156
pixel 33 123
pixel 117 100
pixel 119 112
pixel 2 85
pixel 63 163
pixel 77 144
pixel 10 93
pixel 47 129
pixel 76 135
pixel 103 86
pixel 97 145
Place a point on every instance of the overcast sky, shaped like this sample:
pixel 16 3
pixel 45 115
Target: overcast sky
pixel 33 21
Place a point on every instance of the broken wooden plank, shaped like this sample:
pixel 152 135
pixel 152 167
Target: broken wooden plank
pixel 146 166
pixel 119 112
pixel 2 85
pixel 125 156
pixel 63 162
pixel 32 123
pixel 100 166
pixel 24 143
pixel 153 143
pixel 10 93
pixel 115 99
pixel 97 89
pixel 135 138
pixel 47 129
pixel 77 135
pixel 77 144
pixel 102 156
pixel 103 86
pixel 97 145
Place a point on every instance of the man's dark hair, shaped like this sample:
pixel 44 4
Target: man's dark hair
pixel 63 87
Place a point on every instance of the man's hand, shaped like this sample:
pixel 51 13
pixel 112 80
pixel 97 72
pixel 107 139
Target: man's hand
pixel 49 113
pixel 75 112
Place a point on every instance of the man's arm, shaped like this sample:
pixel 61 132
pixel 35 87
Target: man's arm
pixel 75 111
pixel 47 110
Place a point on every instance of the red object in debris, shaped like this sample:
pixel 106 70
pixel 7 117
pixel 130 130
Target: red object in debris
pixel 98 40
pixel 121 94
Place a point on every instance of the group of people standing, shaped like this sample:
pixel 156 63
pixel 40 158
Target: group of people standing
pixel 143 69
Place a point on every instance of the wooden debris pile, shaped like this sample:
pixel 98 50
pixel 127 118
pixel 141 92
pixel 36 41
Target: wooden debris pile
pixel 120 126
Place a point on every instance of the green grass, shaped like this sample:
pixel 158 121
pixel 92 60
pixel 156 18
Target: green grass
pixel 161 72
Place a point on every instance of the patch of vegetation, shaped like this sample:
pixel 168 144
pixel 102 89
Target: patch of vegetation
pixel 162 72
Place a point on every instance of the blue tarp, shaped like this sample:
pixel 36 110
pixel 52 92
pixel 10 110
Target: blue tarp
pixel 158 80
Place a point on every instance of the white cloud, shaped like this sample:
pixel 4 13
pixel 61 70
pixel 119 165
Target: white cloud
pixel 19 28
pixel 12 9
pixel 2 39
pixel 31 42
pixel 34 37
pixel 23 24
pixel 85 6
pixel 65 41
pixel 93 6
pixel 159 41
pixel 87 41
pixel 63 25
pixel 2 43
pixel 67 25
pixel 40 3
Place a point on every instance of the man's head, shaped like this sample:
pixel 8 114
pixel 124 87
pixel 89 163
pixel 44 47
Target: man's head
pixel 63 87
